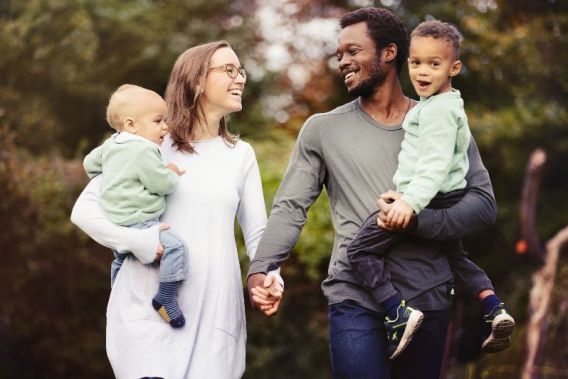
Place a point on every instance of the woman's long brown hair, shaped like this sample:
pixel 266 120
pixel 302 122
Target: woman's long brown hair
pixel 183 92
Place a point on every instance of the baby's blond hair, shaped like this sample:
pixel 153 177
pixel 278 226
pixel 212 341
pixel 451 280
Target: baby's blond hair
pixel 117 108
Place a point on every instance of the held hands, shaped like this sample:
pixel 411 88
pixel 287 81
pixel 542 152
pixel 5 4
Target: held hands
pixel 265 293
pixel 175 169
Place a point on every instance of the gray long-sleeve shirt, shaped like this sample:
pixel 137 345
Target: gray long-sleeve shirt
pixel 355 158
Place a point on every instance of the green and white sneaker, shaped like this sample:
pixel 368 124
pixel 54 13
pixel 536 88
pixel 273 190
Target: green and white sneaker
pixel 499 326
pixel 401 330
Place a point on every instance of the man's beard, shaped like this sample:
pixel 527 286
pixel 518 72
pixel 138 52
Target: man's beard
pixel 367 87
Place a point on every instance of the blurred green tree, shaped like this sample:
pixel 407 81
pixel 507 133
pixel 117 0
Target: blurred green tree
pixel 60 61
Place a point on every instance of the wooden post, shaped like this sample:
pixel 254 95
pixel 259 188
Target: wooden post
pixel 543 279
pixel 540 297
pixel 530 241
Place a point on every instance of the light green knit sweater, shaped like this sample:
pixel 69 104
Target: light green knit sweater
pixel 434 150
pixel 135 180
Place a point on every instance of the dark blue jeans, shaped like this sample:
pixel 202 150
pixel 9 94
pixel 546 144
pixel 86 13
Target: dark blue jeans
pixel 358 343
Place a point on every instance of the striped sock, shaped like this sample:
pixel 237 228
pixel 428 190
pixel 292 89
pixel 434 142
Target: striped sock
pixel 165 303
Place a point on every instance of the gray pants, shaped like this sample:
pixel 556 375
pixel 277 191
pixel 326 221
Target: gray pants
pixel 366 255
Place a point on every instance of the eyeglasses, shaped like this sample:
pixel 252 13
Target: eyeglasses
pixel 231 70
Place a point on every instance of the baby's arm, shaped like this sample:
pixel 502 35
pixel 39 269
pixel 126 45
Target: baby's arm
pixel 89 217
pixel 175 169
pixel 153 174
pixel 93 162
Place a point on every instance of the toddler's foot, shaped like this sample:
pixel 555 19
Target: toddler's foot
pixel 401 329
pixel 499 326
pixel 166 304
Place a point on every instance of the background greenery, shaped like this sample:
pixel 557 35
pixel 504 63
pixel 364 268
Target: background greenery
pixel 60 60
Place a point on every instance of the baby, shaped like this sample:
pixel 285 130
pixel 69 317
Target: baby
pixel 135 183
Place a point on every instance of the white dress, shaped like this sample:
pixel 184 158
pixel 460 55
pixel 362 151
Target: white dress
pixel 220 182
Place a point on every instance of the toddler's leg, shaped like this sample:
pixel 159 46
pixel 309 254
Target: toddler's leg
pixel 473 279
pixel 498 323
pixel 366 252
pixel 173 270
pixel 116 265
pixel 366 255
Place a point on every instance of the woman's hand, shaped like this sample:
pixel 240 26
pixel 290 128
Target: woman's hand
pixel 160 251
pixel 265 293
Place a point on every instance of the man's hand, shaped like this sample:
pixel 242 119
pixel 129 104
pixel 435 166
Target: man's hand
pixel 265 293
pixel 160 251
pixel 175 169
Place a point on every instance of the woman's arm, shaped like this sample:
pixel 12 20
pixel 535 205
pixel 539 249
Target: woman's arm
pixel 252 211
pixel 89 217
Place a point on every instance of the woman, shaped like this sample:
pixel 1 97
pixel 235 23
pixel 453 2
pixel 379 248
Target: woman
pixel 222 180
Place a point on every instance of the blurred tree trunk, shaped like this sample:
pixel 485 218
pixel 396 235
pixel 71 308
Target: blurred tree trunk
pixel 543 279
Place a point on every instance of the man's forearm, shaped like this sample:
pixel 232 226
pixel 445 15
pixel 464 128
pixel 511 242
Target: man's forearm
pixel 477 209
pixel 276 243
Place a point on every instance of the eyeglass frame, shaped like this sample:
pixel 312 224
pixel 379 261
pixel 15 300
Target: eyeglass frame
pixel 227 67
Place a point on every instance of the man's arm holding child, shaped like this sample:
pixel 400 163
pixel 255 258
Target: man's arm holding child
pixel 475 211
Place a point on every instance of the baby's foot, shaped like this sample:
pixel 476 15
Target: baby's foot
pixel 166 304
pixel 170 312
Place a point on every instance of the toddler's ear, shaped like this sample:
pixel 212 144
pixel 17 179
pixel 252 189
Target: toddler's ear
pixel 456 68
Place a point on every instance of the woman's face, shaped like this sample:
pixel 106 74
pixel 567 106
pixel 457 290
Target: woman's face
pixel 222 93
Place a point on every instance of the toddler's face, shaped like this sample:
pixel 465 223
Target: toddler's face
pixel 150 122
pixel 431 65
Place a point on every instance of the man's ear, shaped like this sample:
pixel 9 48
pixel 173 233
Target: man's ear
pixel 128 125
pixel 389 52
pixel 456 68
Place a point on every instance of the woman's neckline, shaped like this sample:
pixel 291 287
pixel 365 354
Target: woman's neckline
pixel 206 140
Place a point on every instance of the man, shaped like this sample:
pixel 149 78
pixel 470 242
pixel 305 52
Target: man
pixel 352 151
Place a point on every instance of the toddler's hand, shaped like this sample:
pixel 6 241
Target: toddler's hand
pixel 390 196
pixel 175 169
pixel 399 214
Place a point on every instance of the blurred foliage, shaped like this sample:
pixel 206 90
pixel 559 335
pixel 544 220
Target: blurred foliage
pixel 60 61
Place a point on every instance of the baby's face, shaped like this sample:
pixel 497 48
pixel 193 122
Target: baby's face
pixel 431 64
pixel 150 120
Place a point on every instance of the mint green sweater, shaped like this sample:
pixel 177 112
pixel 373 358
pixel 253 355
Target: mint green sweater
pixel 434 150
pixel 135 180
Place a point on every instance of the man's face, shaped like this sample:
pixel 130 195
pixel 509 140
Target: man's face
pixel 359 63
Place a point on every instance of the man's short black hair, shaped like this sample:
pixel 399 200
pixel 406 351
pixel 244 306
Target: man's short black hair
pixel 384 28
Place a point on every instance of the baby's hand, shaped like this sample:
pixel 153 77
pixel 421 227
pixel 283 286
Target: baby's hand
pixel 390 196
pixel 399 214
pixel 175 169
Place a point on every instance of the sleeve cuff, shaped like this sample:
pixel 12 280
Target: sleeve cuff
pixel 276 274
pixel 145 246
pixel 424 222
